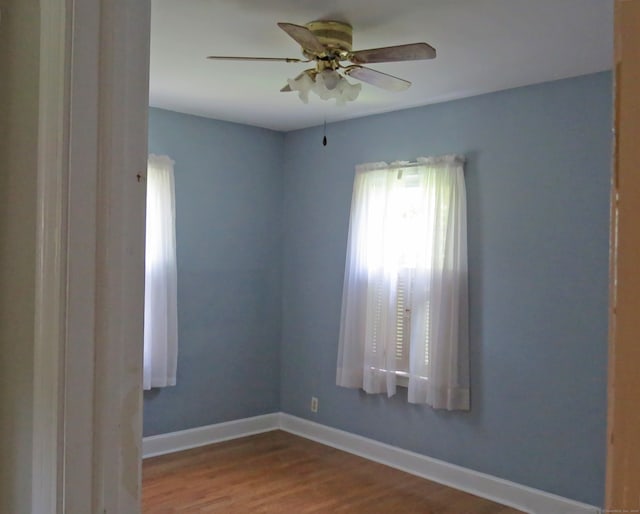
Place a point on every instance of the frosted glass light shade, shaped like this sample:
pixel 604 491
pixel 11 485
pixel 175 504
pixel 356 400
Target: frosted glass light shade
pixel 302 84
pixel 328 84
pixel 329 79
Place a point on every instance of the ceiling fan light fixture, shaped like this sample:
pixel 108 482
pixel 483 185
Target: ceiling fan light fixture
pixel 328 79
pixel 348 92
pixel 303 84
pixel 328 84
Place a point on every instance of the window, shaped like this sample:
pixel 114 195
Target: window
pixel 160 291
pixel 404 309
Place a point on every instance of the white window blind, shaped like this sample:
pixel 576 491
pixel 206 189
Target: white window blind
pixel 403 325
pixel 404 310
pixel 160 294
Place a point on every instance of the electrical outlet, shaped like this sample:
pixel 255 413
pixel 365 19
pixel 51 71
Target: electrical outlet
pixel 314 404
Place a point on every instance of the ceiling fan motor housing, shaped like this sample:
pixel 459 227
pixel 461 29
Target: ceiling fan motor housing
pixel 335 35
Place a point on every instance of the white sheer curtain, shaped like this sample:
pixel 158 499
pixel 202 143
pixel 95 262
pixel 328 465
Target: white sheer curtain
pixel 160 303
pixel 405 301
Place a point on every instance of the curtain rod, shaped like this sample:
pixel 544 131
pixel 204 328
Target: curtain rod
pixel 427 160
pixel 421 161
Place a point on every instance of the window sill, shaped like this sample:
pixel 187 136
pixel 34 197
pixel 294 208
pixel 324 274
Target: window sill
pixel 402 377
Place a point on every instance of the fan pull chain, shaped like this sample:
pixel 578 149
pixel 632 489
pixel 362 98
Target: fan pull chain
pixel 324 133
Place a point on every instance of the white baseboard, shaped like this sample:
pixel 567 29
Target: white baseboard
pixel 495 489
pixel 201 436
pixel 527 499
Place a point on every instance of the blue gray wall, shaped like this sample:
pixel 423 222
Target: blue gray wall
pixel 539 161
pixel 262 229
pixel 228 228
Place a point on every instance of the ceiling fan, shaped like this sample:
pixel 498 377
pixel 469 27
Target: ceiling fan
pixel 328 44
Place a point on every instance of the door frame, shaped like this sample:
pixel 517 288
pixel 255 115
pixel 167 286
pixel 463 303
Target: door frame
pixel 92 154
pixel 623 442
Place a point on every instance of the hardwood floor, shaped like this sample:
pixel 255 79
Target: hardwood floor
pixel 277 472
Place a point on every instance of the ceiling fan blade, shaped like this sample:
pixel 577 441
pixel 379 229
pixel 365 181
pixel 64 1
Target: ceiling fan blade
pixel 410 52
pixel 377 78
pixel 272 59
pixel 304 37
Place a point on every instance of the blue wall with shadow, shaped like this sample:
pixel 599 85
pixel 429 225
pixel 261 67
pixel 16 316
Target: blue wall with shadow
pixel 537 174
pixel 229 238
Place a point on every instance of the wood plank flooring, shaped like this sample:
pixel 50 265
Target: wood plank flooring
pixel 277 472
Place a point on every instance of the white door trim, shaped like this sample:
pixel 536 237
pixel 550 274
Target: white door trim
pixel 50 273
pixel 123 114
pixel 87 401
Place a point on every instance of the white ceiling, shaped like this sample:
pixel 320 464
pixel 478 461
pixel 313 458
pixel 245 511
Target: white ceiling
pixel 482 45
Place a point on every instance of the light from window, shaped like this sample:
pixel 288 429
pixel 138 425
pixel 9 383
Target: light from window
pixel 160 302
pixel 404 311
